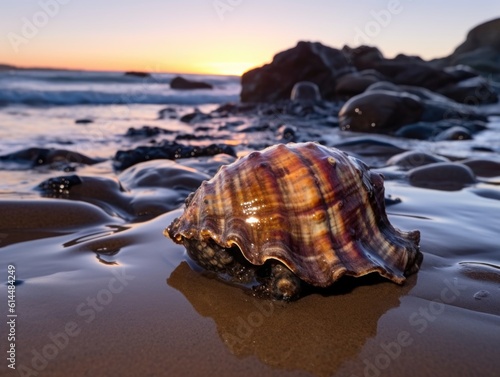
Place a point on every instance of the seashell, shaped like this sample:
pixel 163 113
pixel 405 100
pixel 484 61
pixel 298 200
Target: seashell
pixel 311 208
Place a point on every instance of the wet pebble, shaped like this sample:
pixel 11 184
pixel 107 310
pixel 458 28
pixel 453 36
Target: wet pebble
pixel 482 294
pixel 287 134
pixel 413 159
pixel 454 133
pixel 162 173
pixel 442 176
pixel 483 167
pixel 370 147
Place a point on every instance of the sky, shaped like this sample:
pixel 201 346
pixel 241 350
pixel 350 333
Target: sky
pixel 222 36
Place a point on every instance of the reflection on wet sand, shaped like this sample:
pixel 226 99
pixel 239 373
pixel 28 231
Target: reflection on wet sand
pixel 315 334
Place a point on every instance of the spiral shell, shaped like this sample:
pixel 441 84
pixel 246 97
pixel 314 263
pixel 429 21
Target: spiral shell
pixel 315 209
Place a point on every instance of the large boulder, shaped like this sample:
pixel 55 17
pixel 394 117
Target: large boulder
pixel 480 50
pixel 308 61
pixel 483 35
pixel 386 111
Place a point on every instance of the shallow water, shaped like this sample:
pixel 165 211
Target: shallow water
pixel 102 292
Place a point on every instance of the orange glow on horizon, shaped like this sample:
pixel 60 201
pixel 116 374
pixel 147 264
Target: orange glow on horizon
pixel 227 67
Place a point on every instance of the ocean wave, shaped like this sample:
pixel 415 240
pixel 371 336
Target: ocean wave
pixel 42 88
pixel 79 97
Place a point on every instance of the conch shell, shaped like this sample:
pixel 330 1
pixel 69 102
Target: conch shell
pixel 318 211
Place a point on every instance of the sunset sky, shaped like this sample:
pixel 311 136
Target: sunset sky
pixel 222 36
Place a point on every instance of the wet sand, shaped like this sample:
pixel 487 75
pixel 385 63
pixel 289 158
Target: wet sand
pixel 101 292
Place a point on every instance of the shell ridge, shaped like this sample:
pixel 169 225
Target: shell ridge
pixel 309 163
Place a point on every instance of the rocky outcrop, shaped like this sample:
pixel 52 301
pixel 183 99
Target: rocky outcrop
pixel 185 84
pixel 480 50
pixel 344 73
pixel 308 61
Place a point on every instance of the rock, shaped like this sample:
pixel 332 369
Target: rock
pixel 167 113
pixel 287 134
pixel 366 146
pixel 305 92
pixel 84 121
pixel 430 130
pixel 380 112
pixel 354 83
pixel 414 74
pixel 384 111
pixel 419 131
pixel 137 74
pixel 162 173
pixel 363 57
pixel 146 131
pixel 471 91
pixel 184 84
pixel 480 50
pixel 413 159
pixel 308 61
pixel 484 35
pixel 196 116
pixel 483 167
pixel 170 151
pixel 454 133
pixel 56 158
pixel 442 176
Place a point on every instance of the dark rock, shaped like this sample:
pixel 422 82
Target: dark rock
pixel 473 91
pixel 137 74
pixel 234 108
pixel 164 174
pixel 84 121
pixel 59 186
pixel 408 58
pixel 167 113
pixel 184 84
pixel 170 151
pixel 146 131
pixel 461 72
pixel 366 146
pixel 380 112
pixel 308 61
pixel 486 34
pixel 413 159
pixel 442 176
pixel 414 74
pixel 287 134
pixel 483 167
pixel 33 157
pixel 419 131
pixel 363 57
pixel 480 50
pixel 305 92
pixel 354 83
pixel 454 133
pixel 196 116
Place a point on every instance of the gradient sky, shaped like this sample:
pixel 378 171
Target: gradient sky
pixel 191 36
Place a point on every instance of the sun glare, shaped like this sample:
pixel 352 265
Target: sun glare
pixel 226 68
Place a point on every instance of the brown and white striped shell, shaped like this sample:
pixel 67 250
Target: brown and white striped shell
pixel 315 209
